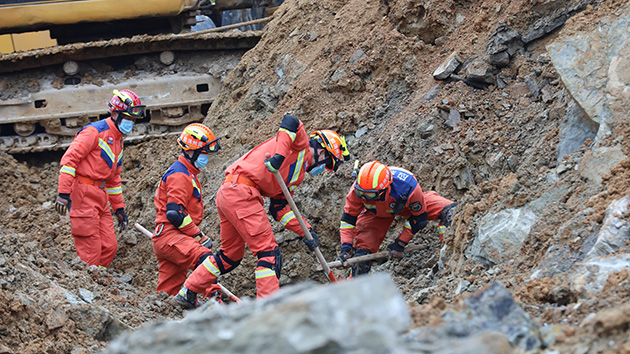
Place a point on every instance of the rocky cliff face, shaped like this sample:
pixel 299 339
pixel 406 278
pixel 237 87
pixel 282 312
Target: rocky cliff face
pixel 516 110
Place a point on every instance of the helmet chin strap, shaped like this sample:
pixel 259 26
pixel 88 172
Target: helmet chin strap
pixel 316 147
pixel 192 159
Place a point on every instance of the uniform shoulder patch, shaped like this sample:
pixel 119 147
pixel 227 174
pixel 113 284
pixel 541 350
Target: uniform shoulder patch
pixel 415 206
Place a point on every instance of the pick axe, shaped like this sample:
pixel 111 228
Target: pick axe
pixel 307 234
pixel 148 234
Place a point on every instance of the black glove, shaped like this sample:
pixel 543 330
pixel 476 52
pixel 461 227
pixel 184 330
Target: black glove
pixel 397 248
pixel 204 240
pixel 123 220
pixel 63 203
pixel 273 164
pixel 313 243
pixel 346 249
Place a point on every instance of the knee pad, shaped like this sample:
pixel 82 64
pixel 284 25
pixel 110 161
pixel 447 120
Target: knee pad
pixel 202 258
pixel 221 258
pixel 363 267
pixel 277 265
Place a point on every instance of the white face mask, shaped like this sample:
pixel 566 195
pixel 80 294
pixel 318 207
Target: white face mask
pixel 202 160
pixel 125 126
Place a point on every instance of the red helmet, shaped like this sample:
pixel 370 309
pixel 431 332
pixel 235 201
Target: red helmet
pixel 334 144
pixel 197 136
pixel 372 181
pixel 127 103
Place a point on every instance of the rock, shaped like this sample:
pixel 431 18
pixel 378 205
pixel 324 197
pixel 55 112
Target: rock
pixel 453 118
pixel 598 162
pixel 56 319
pixel 593 65
pixel 504 43
pixel 492 313
pixel 615 231
pixel 304 318
pixel 448 66
pixel 480 71
pixel 576 127
pixel 500 236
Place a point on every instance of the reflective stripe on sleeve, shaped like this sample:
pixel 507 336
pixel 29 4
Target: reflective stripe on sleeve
pixel 187 220
pixel 291 134
pixel 115 190
pixel 69 170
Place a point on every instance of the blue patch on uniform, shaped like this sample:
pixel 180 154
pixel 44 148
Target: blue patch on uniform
pixel 101 126
pixel 175 167
pixel 110 140
pixel 415 206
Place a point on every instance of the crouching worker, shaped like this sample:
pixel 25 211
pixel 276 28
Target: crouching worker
pixel 178 242
pixel 89 180
pixel 240 204
pixel 379 194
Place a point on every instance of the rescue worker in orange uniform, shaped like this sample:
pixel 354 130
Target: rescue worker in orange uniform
pixel 378 195
pixel 90 177
pixel 240 204
pixel 178 242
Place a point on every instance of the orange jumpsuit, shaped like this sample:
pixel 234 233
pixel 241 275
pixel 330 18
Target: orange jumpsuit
pixel 90 173
pixel 368 222
pixel 243 219
pixel 175 248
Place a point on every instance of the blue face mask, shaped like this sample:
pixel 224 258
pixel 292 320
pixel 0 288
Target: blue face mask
pixel 317 170
pixel 202 160
pixel 125 126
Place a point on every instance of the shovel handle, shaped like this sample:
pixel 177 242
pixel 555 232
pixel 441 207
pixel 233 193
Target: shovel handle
pixel 148 234
pixel 307 234
pixel 370 257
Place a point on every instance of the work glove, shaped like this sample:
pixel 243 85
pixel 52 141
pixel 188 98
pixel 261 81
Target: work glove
pixel 441 229
pixel 346 249
pixel 204 240
pixel 123 220
pixel 63 203
pixel 313 243
pixel 396 248
pixel 273 164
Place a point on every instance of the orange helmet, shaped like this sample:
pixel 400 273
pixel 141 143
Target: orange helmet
pixel 127 103
pixel 372 181
pixel 335 145
pixel 198 137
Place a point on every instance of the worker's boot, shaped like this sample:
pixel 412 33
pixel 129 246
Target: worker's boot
pixel 186 298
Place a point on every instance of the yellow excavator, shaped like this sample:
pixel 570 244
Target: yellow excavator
pixel 63 58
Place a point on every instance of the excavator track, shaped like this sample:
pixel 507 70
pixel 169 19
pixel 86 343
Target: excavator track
pixel 47 95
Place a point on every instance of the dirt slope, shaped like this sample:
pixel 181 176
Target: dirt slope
pixel 364 69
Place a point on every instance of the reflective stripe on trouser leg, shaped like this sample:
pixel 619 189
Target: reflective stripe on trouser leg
pixel 268 272
pixel 203 276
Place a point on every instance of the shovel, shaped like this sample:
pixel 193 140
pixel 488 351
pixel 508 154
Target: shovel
pixel 148 234
pixel 367 257
pixel 307 234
